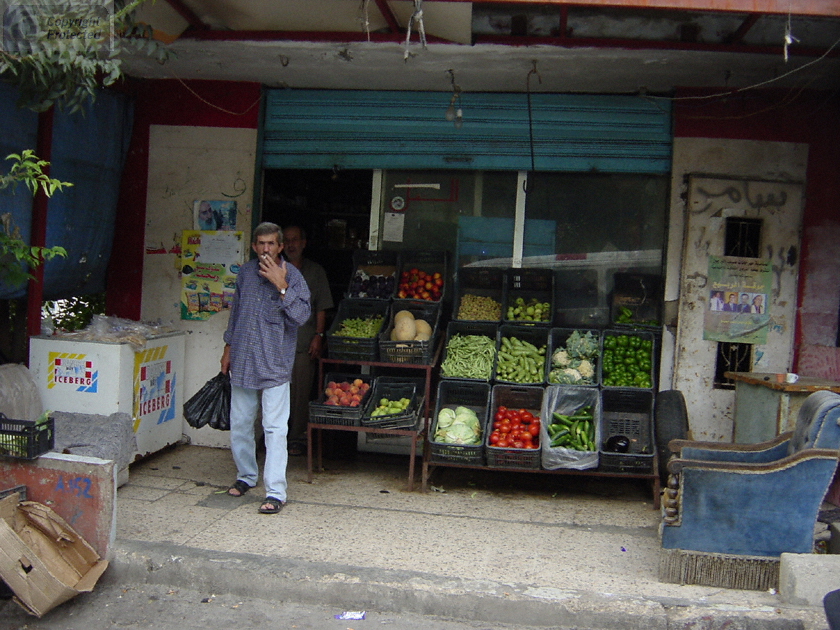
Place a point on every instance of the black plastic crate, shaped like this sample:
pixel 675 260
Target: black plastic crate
pixel 381 264
pixel 537 336
pixel 627 413
pixel 469 329
pixel 557 338
pixel 474 396
pixel 527 285
pixel 485 284
pixel 356 348
pixel 636 300
pixel 411 351
pixel 393 389
pixel 613 337
pixel 429 262
pixel 26 439
pixel 579 299
pixel 514 397
pixel 322 413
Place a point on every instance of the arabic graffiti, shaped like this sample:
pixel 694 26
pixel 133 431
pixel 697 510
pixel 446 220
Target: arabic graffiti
pixel 706 199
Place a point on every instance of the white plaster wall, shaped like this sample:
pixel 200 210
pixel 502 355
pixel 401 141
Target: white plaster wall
pixel 780 161
pixel 188 163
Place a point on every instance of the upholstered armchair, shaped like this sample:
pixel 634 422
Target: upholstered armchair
pixel 753 499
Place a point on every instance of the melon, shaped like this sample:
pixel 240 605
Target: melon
pixel 423 327
pixel 405 329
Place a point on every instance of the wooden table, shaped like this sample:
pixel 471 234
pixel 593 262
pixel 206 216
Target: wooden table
pixel 765 408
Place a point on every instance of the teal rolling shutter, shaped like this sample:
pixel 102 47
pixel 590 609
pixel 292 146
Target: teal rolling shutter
pixel 401 130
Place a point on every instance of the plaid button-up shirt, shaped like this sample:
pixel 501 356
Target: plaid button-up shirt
pixel 262 329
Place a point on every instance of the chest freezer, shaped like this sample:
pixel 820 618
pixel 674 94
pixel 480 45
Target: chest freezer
pixel 97 377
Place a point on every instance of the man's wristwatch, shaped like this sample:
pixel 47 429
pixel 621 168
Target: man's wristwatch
pixel 282 291
pixel 320 334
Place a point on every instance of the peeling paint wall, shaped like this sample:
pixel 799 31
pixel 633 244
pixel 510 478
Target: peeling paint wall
pixel 709 409
pixel 185 164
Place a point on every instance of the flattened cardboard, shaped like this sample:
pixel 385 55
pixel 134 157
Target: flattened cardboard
pixel 42 559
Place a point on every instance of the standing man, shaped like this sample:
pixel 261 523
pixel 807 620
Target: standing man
pixel 310 341
pixel 270 302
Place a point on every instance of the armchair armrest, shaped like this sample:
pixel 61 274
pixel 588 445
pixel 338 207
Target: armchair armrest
pixel 769 450
pixel 676 465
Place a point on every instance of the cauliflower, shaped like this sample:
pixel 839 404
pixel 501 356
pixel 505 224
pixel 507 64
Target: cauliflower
pixel 560 358
pixel 573 374
pixel 564 376
pixel 586 370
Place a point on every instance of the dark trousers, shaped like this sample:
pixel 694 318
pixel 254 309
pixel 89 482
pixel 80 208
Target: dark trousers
pixel 831 602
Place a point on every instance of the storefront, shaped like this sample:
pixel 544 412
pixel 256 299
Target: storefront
pixel 578 184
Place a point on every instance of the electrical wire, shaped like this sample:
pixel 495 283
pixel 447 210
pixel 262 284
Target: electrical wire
pixel 749 87
pixel 209 104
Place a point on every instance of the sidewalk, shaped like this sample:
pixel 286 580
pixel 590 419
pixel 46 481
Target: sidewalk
pixel 504 547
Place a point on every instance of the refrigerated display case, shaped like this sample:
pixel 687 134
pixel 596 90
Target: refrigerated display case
pixel 104 377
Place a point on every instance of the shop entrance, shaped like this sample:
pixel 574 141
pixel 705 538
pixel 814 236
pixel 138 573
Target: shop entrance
pixel 333 206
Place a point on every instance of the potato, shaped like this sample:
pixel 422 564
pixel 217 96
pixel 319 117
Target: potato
pixel 403 314
pixel 422 336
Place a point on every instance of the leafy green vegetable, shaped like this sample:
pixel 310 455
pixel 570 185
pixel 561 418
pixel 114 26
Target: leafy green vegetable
pixel 460 426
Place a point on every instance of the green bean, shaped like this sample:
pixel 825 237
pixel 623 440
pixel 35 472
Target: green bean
pixel 469 356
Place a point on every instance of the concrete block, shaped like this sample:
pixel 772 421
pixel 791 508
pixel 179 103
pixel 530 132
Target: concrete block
pixel 81 490
pixel 805 578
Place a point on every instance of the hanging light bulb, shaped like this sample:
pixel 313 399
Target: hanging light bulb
pixel 459 118
pixel 450 111
pixel 452 115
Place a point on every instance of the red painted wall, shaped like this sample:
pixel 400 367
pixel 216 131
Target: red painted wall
pixel 163 102
pixel 810 117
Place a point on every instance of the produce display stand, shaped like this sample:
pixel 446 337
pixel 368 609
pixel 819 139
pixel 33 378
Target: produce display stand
pixel 653 477
pixel 416 433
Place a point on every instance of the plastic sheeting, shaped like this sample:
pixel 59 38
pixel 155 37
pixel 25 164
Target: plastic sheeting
pixel 19 397
pixel 88 150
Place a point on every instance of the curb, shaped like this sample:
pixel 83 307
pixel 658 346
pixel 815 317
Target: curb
pixel 359 588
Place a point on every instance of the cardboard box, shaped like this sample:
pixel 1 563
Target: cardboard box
pixel 42 559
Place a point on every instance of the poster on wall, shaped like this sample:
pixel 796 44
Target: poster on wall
pixel 214 215
pixel 209 264
pixel 738 292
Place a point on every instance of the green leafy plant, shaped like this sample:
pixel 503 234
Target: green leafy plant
pixel 28 169
pixel 62 51
pixel 74 313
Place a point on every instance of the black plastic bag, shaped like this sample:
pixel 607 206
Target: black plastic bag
pixel 210 405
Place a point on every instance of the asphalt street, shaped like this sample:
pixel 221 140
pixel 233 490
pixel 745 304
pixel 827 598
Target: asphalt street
pixel 158 607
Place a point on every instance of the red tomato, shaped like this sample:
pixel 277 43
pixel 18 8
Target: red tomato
pixel 502 443
pixel 525 415
pixel 534 430
pixel 505 428
pixel 499 416
pixel 518 444
pixel 501 408
pixel 494 438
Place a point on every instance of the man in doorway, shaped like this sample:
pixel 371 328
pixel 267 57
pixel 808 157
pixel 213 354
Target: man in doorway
pixel 310 342
pixel 270 302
